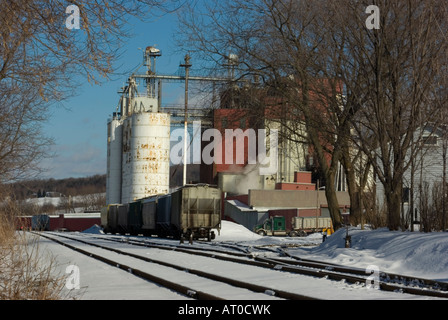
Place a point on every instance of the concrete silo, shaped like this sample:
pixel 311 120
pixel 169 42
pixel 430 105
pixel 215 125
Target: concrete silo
pixel 146 150
pixel 114 152
pixel 139 141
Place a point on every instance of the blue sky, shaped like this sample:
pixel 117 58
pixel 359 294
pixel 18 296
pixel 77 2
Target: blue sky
pixel 79 130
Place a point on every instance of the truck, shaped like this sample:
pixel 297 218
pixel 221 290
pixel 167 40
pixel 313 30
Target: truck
pixel 300 226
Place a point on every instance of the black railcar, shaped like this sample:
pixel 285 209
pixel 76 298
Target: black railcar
pixel 192 212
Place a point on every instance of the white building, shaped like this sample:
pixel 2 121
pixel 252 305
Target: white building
pixel 422 181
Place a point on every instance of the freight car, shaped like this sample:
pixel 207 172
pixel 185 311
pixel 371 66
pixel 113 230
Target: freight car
pixel 189 212
pixel 301 226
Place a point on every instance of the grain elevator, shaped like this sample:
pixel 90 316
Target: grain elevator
pixel 138 139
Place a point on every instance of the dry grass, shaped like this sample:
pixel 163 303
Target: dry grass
pixel 25 273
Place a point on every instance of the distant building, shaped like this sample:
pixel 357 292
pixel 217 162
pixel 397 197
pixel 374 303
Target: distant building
pixel 422 181
pixel 250 108
pixel 289 200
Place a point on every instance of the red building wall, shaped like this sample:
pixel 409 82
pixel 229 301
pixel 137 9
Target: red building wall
pixel 62 222
pixel 295 186
pixel 231 119
pixel 73 223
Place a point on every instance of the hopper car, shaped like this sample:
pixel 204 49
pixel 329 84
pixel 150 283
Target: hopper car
pixel 190 212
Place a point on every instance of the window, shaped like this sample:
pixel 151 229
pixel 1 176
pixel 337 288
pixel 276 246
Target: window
pixel 430 141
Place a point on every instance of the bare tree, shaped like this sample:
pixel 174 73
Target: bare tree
pixel 308 50
pixel 282 42
pixel 42 62
pixel 394 85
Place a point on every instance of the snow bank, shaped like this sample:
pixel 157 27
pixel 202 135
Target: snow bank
pixel 412 253
pixel 231 231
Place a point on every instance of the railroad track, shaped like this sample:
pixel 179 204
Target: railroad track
pixel 386 281
pixel 233 287
pixel 385 277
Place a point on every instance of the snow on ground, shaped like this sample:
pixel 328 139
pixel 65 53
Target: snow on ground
pixel 414 254
pixel 423 255
pixel 418 254
pixel 99 281
pixel 235 233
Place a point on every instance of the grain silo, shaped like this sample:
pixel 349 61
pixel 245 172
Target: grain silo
pixel 142 136
pixel 146 150
pixel 114 156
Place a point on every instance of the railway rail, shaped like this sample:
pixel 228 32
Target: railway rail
pixel 240 288
pixel 386 281
pixel 283 262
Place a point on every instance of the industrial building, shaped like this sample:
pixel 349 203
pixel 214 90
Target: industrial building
pixel 296 199
pixel 138 159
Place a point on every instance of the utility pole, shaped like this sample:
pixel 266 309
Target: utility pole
pixel 187 65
